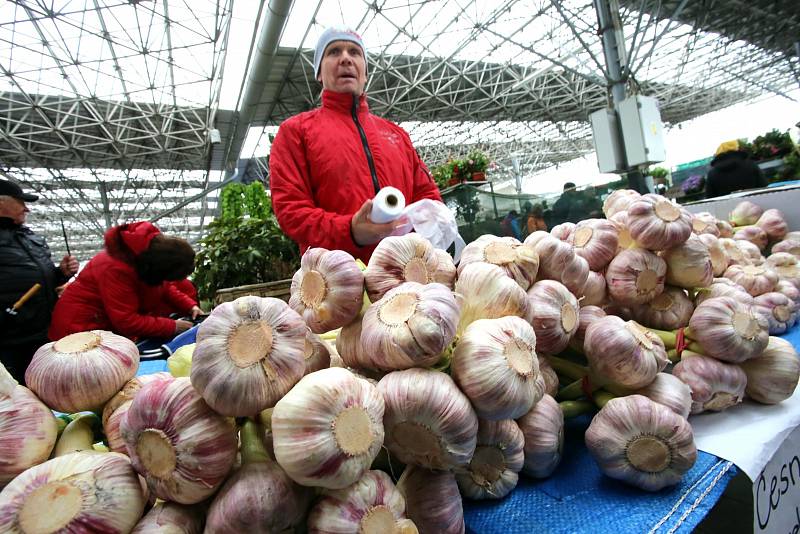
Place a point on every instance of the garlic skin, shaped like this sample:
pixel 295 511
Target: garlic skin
pixel 751 252
pixel 689 264
pixel 176 442
pixel 715 385
pixel 670 391
pixel 778 310
pixel 725 228
pixel 618 201
pixel 656 223
pixel 745 213
pixel 553 312
pixel 171 518
pixel 755 279
pixel 433 501
pixel 494 469
pixel 518 261
pixel 410 326
pixel 729 330
pixel 704 223
pixel 624 239
pixel 754 234
pixel 563 231
pixel 407 258
pixel 594 292
pixel 317 353
pixel 773 376
pixel 328 429
pixel 82 371
pixel 328 289
pixel 635 276
pixel 596 240
pixel 719 257
pixel 641 443
pixel 495 365
pixel 249 353
pixel 115 409
pixel 428 421
pixel 671 310
pixel 786 265
pixel 558 261
pixel 486 292
pixel 624 352
pixel 792 246
pixel 791 291
pixel 723 287
pixel 587 316
pixel 543 429
pixel 773 222
pixel 79 492
pixel 735 254
pixel 549 376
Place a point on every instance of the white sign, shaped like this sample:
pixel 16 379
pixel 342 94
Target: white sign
pixel 776 491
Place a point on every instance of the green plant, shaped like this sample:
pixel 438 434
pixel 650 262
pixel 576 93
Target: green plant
pixel 443 173
pixel 773 144
pixel 476 161
pixel 658 172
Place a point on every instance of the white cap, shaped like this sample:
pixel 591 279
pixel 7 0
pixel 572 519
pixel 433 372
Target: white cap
pixel 335 34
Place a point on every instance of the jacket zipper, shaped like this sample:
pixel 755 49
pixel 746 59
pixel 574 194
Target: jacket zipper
pixel 365 144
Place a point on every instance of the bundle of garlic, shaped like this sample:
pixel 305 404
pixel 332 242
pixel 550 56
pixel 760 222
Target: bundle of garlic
pixel 786 265
pixel 410 326
pixel 773 376
pixel 750 252
pixel 495 365
pixel 594 292
pixel 745 213
pixel 635 276
pixel 586 316
pixel 80 492
pixel 486 292
pixel 792 246
pixel 723 287
pixel 728 329
pixel 176 442
pixel 596 240
pixel 494 469
pixel 115 409
pixel 719 257
pixel 558 261
pixel 773 223
pixel 689 264
pixel 715 385
pixel 249 353
pixel 791 291
pixel 624 352
pixel 82 371
pixel 778 310
pixel 519 261
pixel 28 429
pixel 408 258
pixel 433 501
pixel 734 253
pixel 656 223
pixel 563 231
pixel 624 239
pixel 328 429
pixel 753 234
pixel 328 289
pixel 725 228
pixel 553 312
pixel 669 391
pixel 641 442
pixel 317 353
pixel 671 310
pixel 543 430
pixel 548 375
pixel 704 223
pixel 428 421
pixel 172 518
pixel 755 279
pixel 619 201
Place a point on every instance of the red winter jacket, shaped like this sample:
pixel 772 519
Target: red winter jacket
pixel 108 295
pixel 320 173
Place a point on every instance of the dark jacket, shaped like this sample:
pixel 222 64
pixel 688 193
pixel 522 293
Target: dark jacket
pixel 25 260
pixel 733 171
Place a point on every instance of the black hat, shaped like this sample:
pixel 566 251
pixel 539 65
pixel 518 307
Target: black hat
pixel 9 188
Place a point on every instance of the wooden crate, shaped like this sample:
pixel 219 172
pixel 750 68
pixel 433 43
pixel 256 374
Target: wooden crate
pixel 279 290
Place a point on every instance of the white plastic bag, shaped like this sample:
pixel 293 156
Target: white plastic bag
pixel 435 222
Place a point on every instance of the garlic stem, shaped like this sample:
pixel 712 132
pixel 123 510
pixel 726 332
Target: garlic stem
pixel 567 368
pixel 572 391
pixel 669 338
pixel 78 435
pixel 574 408
pixel 672 355
pixel 252 446
pixel 601 397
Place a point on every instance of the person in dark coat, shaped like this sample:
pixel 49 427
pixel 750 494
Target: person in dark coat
pixel 732 170
pixel 25 260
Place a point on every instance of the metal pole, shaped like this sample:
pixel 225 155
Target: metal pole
pixel 106 207
pixel 199 195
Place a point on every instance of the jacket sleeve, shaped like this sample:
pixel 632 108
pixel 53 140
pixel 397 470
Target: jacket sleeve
pixel 711 184
pixel 293 199
pixel 180 300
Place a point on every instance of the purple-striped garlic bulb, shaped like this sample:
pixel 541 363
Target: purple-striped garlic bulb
pixel 494 469
pixel 725 228
pixel 249 353
pixel 773 376
pixel 317 353
pixel 182 448
pixel 723 287
pixel 586 316
pixel 671 310
pixel 705 223
pixel 786 265
pixel 596 240
pixel 778 310
pixel 594 292
pixel 433 501
pixel 624 352
pixel 793 235
pixel 486 292
pixel 745 213
pixel 543 429
pixel 729 330
pixel 328 289
pixel 773 222
pixel 428 421
pixel 689 264
pixel 735 254
pixel 792 246
pixel 115 409
pixel 656 223
pixel 558 261
pixel 719 257
pixel 641 443
pixel 407 258
pixel 715 385
pixel 563 231
pixel 754 234
pixel 791 291
pixel 328 429
pixel 618 201
pixel 635 276
pixel 495 365
pixel 553 312
pixel 166 517
pixel 28 429
pixel 670 391
pixel 549 376
pixel 751 252
pixel 755 279
pixel 410 326
pixel 518 261
pixel 624 239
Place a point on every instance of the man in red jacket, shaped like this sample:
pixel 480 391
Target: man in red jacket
pixel 327 164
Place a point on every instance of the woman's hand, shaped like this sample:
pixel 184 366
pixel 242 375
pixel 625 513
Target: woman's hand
pixel 365 232
pixel 182 326
pixel 195 311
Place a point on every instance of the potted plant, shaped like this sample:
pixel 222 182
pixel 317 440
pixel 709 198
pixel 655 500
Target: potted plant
pixel 693 187
pixel 773 144
pixel 475 165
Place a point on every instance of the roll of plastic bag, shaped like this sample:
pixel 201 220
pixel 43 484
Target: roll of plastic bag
pixel 435 222
pixel 387 205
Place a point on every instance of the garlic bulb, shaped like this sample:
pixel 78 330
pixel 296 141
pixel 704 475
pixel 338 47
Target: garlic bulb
pixel 558 261
pixel 793 235
pixel 249 353
pixel 328 289
pixel 735 254
pixel 82 371
pixel 778 310
pixel 729 330
pixel 594 292
pixel 410 326
pixel 407 258
pixel 553 312
pixel 487 293
pixel 773 222
pixel 428 421
pixel 115 409
pixel 715 385
pixel 755 279
pixel 596 240
pixel 28 429
pixel 635 276
pixel 689 264
pixel 316 353
pixel 517 260
pixel 745 213
pixel 624 239
pixel 372 505
pixel 754 234
pixel 786 265
pixel 327 430
pixel 792 246
pixel 624 352
pixel 723 287
pixel 669 391
pixel 719 257
pixel 586 316
pixel 495 365
pixel 705 223
pixel 773 376
pixel 433 501
pixel 176 442
pixel 671 310
pixel 656 223
pixel 80 492
pixel 791 291
pixel 725 228
pixel 641 443
pixel 549 376
pixel 543 429
pixel 618 201
pixel 172 518
pixel 494 469
pixel 563 231
pixel 751 252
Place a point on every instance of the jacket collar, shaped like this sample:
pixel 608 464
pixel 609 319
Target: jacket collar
pixel 7 223
pixel 343 102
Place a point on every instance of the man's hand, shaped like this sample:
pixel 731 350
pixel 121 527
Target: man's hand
pixel 365 232
pixel 182 326
pixel 69 266
pixel 195 311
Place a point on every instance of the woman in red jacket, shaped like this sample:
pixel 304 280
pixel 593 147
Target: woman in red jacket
pixel 122 287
